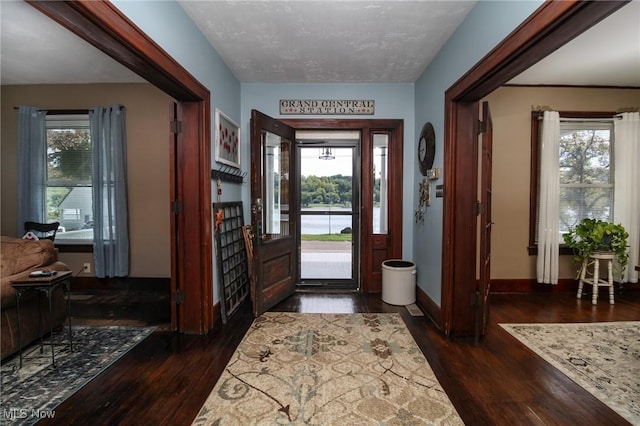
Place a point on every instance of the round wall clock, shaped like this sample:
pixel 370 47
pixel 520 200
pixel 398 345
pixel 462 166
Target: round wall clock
pixel 426 148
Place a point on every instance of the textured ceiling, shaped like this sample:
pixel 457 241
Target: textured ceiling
pixel 327 41
pixel 313 42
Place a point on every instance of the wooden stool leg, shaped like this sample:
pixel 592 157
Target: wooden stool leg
pixel 610 275
pixel 596 279
pixel 583 273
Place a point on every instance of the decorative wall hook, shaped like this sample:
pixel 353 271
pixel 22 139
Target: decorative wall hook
pixel 228 174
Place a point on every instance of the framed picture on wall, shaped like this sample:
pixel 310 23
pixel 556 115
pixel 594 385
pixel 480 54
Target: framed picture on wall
pixel 227 140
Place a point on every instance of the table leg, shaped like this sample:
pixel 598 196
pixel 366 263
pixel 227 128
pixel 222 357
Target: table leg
pixel 18 294
pixel 48 287
pixel 40 322
pixel 583 274
pixel 68 290
pixel 53 359
pixel 596 281
pixel 610 279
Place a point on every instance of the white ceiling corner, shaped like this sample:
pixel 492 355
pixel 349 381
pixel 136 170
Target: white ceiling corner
pixel 36 50
pixel 608 54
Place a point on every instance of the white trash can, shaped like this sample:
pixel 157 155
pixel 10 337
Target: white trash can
pixel 398 282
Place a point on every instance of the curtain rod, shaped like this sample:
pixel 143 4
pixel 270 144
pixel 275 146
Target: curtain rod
pixel 592 119
pixel 540 110
pixel 62 111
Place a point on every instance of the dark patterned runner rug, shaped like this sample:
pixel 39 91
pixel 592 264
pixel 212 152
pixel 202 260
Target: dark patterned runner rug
pixel 602 357
pixel 35 390
pixel 328 369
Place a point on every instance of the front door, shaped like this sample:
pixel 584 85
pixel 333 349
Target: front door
pixel 275 208
pixel 274 216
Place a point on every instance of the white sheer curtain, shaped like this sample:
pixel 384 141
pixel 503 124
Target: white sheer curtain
pixel 109 181
pixel 549 216
pixel 32 154
pixel 626 210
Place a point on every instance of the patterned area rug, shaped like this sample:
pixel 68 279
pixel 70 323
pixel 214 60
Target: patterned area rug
pixel 35 390
pixel 328 369
pixel 603 358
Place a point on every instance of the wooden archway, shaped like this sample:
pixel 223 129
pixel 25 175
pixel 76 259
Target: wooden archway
pixel 551 26
pixel 105 27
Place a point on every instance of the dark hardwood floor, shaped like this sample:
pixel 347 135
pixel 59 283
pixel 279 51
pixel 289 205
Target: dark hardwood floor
pixel 167 377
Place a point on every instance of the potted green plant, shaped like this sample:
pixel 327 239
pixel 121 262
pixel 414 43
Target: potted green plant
pixel 593 236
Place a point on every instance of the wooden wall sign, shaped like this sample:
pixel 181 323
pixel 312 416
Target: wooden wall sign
pixel 327 107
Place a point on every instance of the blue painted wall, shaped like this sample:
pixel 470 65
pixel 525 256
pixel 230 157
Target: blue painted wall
pixel 486 25
pixel 173 30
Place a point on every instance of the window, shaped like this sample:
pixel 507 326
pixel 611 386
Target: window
pixel 380 183
pixel 586 170
pixel 68 177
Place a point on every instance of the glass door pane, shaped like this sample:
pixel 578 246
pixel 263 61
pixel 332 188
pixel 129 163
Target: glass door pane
pixel 276 154
pixel 327 203
pixel 380 183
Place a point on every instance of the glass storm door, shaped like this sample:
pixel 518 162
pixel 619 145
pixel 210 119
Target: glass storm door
pixel 329 206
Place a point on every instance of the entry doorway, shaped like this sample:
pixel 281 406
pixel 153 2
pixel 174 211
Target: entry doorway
pixel 329 197
pixel 276 251
pixel 379 173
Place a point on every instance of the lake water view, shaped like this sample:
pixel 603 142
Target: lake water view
pixel 330 223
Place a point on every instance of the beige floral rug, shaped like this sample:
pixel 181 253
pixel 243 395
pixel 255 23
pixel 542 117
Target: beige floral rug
pixel 602 357
pixel 328 369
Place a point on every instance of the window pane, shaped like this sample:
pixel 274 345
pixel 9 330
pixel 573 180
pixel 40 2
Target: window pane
pixel 72 207
pixel 276 165
pixel 68 177
pixel 69 155
pixel 584 157
pixel 380 181
pixel 577 203
pixel 586 171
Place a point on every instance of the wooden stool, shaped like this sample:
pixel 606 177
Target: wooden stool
pixel 595 280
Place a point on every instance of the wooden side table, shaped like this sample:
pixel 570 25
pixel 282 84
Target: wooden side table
pixel 47 285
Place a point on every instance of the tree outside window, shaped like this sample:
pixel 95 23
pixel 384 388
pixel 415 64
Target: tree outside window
pixel 586 174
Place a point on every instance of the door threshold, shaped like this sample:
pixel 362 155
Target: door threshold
pixel 323 289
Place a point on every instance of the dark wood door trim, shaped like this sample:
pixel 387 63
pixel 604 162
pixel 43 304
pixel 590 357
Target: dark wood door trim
pixel 552 25
pixel 486 221
pixel 105 27
pixel 459 237
pixel 549 27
